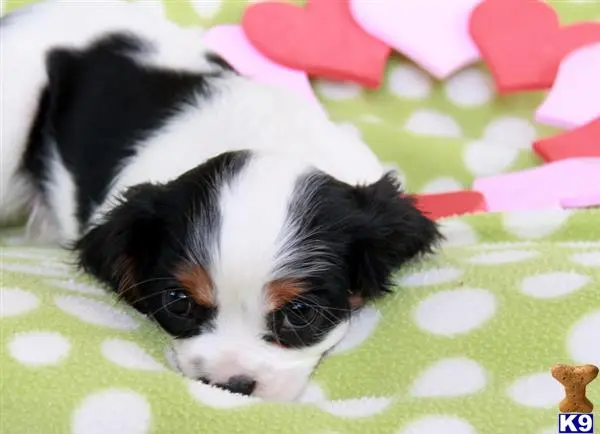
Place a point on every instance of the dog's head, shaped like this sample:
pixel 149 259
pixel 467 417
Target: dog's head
pixel 255 263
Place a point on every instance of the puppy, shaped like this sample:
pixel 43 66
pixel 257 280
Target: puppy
pixel 234 214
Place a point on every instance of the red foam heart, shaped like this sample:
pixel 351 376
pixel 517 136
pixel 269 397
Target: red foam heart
pixel 322 39
pixel 580 142
pixel 523 43
pixel 437 206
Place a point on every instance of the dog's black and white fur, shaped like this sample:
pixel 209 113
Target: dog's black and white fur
pixel 234 214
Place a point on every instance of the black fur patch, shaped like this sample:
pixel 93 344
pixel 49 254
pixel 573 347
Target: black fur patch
pixel 155 229
pixel 98 106
pixel 362 235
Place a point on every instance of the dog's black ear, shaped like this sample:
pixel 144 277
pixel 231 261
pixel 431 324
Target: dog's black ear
pixel 125 242
pixel 389 232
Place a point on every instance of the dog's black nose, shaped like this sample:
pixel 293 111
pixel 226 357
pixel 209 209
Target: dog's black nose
pixel 239 384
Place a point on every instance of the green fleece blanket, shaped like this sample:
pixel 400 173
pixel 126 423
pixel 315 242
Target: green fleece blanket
pixel 464 345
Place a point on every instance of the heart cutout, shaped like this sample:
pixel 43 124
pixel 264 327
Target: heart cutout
pixel 440 205
pixel 543 187
pixel 574 100
pixel 438 42
pixel 523 43
pixel 322 39
pixel 230 42
pixel 580 142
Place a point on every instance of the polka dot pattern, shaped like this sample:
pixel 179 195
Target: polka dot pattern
pixel 538 390
pixel 95 312
pixel 450 377
pixel 38 348
pixel 432 123
pixel 550 285
pixel 472 290
pixel 16 301
pixel 448 313
pixel 512 131
pixel 484 158
pixel 469 88
pixel 122 411
pixel 409 82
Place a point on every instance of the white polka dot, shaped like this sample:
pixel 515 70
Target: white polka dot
pixel 439 425
pixel 408 81
pixel 432 123
pixel 129 355
pixel 433 276
pixel 72 285
pixel 448 313
pixel 589 259
pixel 350 129
pixel 536 390
pixel 15 301
pixel 95 312
pixel 551 285
pixel 216 397
pixel 112 411
pixel 441 185
pixel 469 88
pixel 37 270
pixel 338 90
pixel 312 394
pixel 39 348
pixel 583 338
pixel 450 377
pixel 535 224
pixel 511 131
pixel 361 327
pixel 487 158
pixel 457 232
pixel 356 408
pixel 503 257
pixel 206 8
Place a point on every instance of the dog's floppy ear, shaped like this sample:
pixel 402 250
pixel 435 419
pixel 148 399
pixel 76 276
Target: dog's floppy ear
pixel 126 240
pixel 389 231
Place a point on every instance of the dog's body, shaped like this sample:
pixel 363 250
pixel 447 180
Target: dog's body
pixel 235 214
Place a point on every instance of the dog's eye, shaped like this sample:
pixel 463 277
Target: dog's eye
pixel 178 302
pixel 299 315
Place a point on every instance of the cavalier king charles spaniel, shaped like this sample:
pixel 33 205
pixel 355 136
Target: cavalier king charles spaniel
pixel 235 214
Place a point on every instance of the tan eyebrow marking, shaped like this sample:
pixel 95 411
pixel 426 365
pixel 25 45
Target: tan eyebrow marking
pixel 281 292
pixel 196 281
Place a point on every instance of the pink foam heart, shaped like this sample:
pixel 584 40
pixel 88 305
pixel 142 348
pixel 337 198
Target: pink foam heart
pixel 543 187
pixel 433 33
pixel 230 42
pixel 587 201
pixel 574 100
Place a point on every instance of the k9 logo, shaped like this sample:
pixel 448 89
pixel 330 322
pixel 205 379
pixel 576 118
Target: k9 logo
pixel 569 423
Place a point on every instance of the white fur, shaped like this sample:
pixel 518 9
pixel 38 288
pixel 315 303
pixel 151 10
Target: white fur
pixel 255 233
pixel 249 115
pixel 290 134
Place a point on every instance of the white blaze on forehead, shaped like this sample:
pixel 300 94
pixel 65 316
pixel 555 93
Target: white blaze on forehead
pixel 254 212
